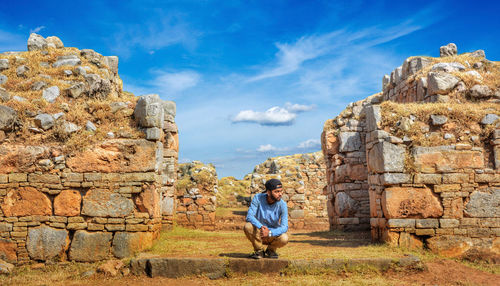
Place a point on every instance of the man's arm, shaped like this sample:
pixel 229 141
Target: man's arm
pixel 251 213
pixel 284 221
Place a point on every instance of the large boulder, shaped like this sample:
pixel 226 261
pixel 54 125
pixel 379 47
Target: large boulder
pixel 407 202
pixel 26 201
pixel 50 94
pixel 45 243
pixel 67 60
pixel 105 203
pixel 448 50
pixel 8 118
pixel 36 42
pixel 149 111
pixel 441 82
pixel 54 42
pixel 90 246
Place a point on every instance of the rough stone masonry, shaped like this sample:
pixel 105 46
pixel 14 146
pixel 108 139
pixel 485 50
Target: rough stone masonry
pixel 59 201
pixel 424 174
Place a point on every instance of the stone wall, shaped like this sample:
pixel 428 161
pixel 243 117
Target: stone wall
pixel 72 188
pixel 433 172
pixel 302 176
pixel 196 191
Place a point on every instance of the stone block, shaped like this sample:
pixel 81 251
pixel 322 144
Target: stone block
pixel 427 223
pixel 441 82
pixel 447 188
pixel 153 133
pixel 136 227
pixel 46 243
pixel 18 177
pixel 115 227
pixel 386 157
pixel 349 141
pixel 373 117
pixel 127 244
pixel 77 226
pixel 484 204
pixel 67 203
pixel 487 178
pixel 395 178
pixel 8 250
pixel 396 222
pixel 90 246
pixel 44 178
pixel 167 206
pixel 427 179
pixel 73 177
pixel 105 203
pixel 401 202
pixel 149 201
pixel 180 267
pixel 345 206
pixel 26 201
pixel 449 223
pixel 449 245
pixel 425 231
pixel 149 111
pixel 92 176
pixel 455 178
pixel 442 159
pixel 410 241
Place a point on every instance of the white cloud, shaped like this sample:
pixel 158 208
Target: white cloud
pixel 271 148
pixel 37 29
pixel 297 108
pixel 309 144
pixel 171 83
pixel 273 116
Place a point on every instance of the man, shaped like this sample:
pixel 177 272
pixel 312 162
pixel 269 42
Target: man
pixel 267 221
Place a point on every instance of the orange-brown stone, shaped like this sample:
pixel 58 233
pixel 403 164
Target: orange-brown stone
pixel 331 143
pixel 149 201
pixel 8 250
pixel 432 160
pixel 68 203
pixel 26 201
pixel 449 245
pixel 116 156
pixel 407 202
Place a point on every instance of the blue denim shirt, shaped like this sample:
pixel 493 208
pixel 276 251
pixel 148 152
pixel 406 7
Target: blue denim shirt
pixel 274 216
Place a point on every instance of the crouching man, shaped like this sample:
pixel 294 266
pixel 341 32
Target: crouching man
pixel 267 221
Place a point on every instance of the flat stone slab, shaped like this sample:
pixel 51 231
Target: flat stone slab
pixel 219 267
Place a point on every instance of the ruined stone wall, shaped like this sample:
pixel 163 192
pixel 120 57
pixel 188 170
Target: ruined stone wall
pixel 433 169
pixel 84 167
pixel 302 176
pixel 344 148
pixel 196 199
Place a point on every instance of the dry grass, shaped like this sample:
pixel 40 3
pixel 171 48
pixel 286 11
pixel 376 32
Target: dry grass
pixel 463 121
pixel 182 242
pixel 231 189
pixel 80 109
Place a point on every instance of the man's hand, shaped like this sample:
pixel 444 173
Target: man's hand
pixel 264 231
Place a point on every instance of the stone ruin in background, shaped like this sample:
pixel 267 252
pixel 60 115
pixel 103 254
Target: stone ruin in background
pixel 195 195
pixel 87 171
pixel 419 163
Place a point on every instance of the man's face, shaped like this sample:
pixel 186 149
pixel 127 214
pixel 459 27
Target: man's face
pixel 276 194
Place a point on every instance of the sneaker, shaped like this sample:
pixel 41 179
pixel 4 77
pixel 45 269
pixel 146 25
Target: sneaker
pixel 258 254
pixel 271 254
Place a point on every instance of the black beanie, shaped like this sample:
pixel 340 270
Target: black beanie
pixel 273 184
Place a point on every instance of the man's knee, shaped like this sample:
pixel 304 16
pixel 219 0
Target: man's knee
pixel 283 238
pixel 248 228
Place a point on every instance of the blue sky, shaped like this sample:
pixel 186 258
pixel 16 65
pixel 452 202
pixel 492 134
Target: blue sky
pixel 255 79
